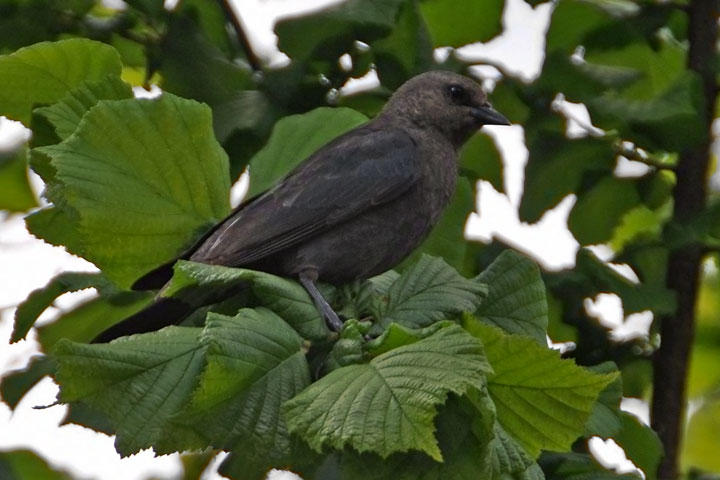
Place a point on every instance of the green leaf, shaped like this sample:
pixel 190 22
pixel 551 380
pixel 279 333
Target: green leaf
pixel 65 115
pixel 16 383
pixel 329 33
pixel 295 138
pixel 556 167
pixel 57 227
pixel 668 121
pixel 606 418
pixel 388 405
pixel 480 160
pixel 635 297
pixel 348 349
pixel 15 192
pixel 406 52
pixel 28 465
pixel 638 223
pixel 44 72
pixel 143 194
pixel 506 456
pixel 85 321
pixel 516 299
pixel 39 300
pixel 139 382
pixel 454 24
pixel 578 466
pixel 255 362
pixel 396 336
pixel 430 291
pixel 466 452
pixel 285 297
pixel 641 444
pixel 542 401
pixel 598 212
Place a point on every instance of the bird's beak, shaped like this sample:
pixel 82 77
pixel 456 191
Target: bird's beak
pixel 486 115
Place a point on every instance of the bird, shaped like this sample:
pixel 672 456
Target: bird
pixel 353 209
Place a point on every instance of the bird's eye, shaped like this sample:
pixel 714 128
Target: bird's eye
pixel 457 93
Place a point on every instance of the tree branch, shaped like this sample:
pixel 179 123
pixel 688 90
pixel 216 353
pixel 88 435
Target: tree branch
pixel 683 269
pixel 230 14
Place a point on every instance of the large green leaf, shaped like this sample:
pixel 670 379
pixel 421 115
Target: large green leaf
pixel 547 405
pixel 407 51
pixel 330 32
pixel 388 405
pixel 470 451
pixel 668 121
pixel 139 382
pixel 65 115
pixel 641 444
pixel 429 291
pixel 295 138
pixel 516 296
pixel 43 73
pixel 556 167
pixel 454 23
pixel 255 362
pixel 146 191
pixel 598 212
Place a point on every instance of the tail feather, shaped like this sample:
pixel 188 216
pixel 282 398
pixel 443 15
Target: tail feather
pixel 161 313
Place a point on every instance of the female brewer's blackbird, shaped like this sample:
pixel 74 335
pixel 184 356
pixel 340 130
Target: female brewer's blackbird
pixel 353 209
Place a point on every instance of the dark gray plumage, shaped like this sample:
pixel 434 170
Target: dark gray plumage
pixel 353 209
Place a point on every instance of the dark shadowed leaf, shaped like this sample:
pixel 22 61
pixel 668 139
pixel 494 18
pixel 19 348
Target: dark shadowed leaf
pixel 16 383
pixel 455 23
pixel 330 32
pixel 598 211
pixel 39 300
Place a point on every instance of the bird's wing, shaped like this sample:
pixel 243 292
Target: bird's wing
pixel 362 169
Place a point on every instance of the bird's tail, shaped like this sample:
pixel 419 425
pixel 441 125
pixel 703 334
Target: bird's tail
pixel 164 311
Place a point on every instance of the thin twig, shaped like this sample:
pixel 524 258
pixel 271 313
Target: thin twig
pixel 252 59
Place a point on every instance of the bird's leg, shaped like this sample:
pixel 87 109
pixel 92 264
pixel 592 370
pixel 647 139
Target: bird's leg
pixel 307 279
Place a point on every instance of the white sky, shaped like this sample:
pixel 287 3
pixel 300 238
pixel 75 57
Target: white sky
pixel 90 455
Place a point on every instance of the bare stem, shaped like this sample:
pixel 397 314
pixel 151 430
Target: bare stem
pixel 683 269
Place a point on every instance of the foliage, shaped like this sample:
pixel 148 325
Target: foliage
pixel 442 370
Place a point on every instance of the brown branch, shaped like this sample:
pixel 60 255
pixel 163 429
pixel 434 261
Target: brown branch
pixel 683 269
pixel 242 37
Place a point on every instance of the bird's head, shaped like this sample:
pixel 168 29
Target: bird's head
pixel 449 103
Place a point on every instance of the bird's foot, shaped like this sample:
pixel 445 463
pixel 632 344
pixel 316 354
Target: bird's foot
pixel 331 318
